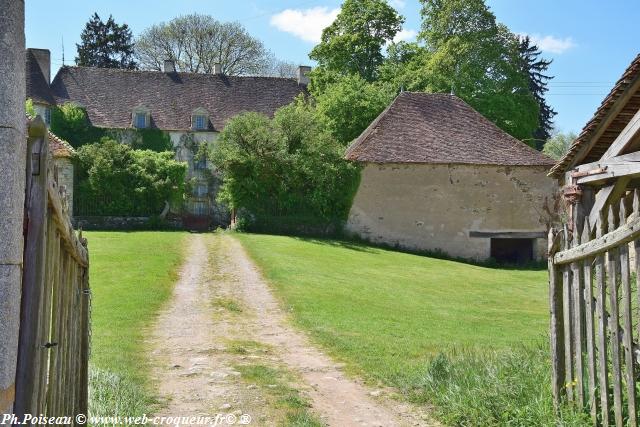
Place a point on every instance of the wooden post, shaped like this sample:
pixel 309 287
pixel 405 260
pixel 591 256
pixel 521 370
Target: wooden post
pixel 556 323
pixel 567 309
pixel 589 311
pixel 625 279
pixel 578 310
pixel 31 342
pixel 601 295
pixel 612 276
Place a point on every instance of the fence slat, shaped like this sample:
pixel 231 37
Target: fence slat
pixel 589 310
pixel 601 295
pixel 567 308
pixel 625 280
pixel 612 276
pixel 578 311
pixel 555 310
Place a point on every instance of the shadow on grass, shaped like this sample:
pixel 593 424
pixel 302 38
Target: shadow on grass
pixel 360 245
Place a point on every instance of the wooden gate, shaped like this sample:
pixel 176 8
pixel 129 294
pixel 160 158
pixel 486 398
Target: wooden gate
pixel 52 374
pixel 594 263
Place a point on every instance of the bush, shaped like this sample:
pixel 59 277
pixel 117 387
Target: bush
pixel 496 388
pixel 127 182
pixel 288 166
pixel 70 122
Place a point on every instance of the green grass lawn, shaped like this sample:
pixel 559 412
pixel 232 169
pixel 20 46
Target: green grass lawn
pixel 470 339
pixel 131 276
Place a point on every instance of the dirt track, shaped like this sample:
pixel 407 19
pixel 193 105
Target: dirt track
pixel 221 298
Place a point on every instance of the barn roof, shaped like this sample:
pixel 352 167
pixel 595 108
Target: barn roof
pixel 439 128
pixel 614 113
pixel 110 95
pixel 37 87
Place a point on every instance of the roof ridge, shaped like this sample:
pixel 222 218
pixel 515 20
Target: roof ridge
pixel 189 73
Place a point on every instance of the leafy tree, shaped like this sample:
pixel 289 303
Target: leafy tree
pixel 128 181
pixel 558 145
pixel 106 45
pixel 197 42
pixel 70 122
pixel 535 68
pixel 354 42
pixel 349 104
pixel 285 166
pixel 468 53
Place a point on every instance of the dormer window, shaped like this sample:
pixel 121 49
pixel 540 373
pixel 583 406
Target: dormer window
pixel 200 119
pixel 141 118
pixel 200 122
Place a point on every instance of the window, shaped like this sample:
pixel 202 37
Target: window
pixel 199 122
pixel 140 120
pixel 47 116
pixel 512 251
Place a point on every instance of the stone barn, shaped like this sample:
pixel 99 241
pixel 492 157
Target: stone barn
pixel 438 176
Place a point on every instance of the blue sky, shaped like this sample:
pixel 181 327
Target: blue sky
pixel 590 41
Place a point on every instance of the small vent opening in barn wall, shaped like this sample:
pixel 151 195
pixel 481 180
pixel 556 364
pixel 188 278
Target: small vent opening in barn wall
pixel 512 251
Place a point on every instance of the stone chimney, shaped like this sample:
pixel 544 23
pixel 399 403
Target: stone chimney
pixel 169 66
pixel 43 58
pixel 217 68
pixel 303 79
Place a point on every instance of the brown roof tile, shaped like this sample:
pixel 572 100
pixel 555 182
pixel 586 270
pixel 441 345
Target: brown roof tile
pixel 630 75
pixel 37 88
pixel 438 128
pixel 59 147
pixel 110 95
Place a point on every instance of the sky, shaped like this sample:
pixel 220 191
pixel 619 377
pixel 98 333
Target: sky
pixel 591 42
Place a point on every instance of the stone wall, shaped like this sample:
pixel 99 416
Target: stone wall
pixel 435 207
pixel 65 177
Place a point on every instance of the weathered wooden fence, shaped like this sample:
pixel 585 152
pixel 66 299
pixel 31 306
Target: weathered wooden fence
pixel 52 373
pixel 594 303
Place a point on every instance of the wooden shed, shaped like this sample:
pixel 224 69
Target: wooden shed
pixel 594 315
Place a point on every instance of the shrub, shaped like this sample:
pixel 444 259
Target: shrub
pixel 71 123
pixel 123 181
pixel 288 166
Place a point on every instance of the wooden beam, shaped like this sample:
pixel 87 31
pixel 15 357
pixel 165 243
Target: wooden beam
pixel 602 164
pixel 604 195
pixel 624 138
pixel 509 234
pixel 619 105
pixel 621 235
pixel 611 171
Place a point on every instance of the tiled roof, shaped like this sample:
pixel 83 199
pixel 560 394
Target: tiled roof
pixel 585 149
pixel 37 87
pixel 110 95
pixel 59 147
pixel 438 128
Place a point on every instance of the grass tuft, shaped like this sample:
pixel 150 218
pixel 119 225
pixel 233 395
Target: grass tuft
pixel 228 304
pixel 493 388
pixel 283 396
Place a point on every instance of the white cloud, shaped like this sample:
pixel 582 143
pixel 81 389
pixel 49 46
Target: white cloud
pixel 552 44
pixel 398 4
pixel 405 36
pixel 306 24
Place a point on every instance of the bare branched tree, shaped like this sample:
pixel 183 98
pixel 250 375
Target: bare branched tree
pixel 197 42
